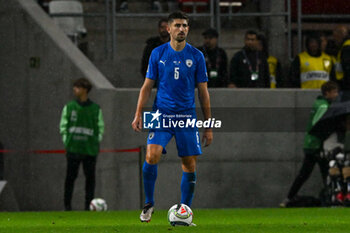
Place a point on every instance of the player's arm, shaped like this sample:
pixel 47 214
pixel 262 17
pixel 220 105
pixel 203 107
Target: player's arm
pixel 204 99
pixel 145 92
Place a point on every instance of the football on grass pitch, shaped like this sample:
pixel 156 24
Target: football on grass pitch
pixel 98 204
pixel 180 215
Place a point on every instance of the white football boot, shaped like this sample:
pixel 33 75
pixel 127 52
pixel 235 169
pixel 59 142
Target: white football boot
pixel 146 213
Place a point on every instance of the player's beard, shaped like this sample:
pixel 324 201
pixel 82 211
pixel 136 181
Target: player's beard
pixel 180 37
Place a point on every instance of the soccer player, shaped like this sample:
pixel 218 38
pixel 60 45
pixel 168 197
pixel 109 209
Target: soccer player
pixel 176 67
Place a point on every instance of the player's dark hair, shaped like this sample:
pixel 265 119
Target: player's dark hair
pixel 314 36
pixel 84 83
pixel 329 86
pixel 251 32
pixel 178 15
pixel 162 20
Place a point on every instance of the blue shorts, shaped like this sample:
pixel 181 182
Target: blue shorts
pixel 187 141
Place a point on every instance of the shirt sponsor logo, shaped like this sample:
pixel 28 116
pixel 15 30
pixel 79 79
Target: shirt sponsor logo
pixel 81 130
pixel 314 75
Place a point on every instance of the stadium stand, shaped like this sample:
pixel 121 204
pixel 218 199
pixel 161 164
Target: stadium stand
pixel 73 27
pixel 194 6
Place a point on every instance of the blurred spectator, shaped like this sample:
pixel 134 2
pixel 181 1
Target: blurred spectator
pixel 81 128
pixel 331 48
pixel 312 144
pixel 155 6
pixel 311 68
pixel 173 5
pixel 154 42
pixel 275 69
pixel 215 58
pixel 248 67
pixel 342 65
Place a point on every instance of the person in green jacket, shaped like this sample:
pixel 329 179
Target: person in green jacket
pixel 81 127
pixel 312 144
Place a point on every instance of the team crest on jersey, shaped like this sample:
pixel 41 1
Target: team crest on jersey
pixel 189 63
pixel 151 135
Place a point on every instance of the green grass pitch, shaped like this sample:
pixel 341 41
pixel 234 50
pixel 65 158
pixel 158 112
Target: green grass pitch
pixel 208 220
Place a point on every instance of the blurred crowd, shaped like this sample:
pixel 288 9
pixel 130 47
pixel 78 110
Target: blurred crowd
pixel 324 59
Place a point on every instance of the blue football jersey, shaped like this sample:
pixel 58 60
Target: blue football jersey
pixel 176 75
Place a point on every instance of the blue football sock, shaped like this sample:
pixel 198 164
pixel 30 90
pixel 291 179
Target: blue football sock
pixel 187 187
pixel 149 172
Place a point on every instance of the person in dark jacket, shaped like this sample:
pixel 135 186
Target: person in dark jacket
pixel 313 144
pixel 154 42
pixel 215 59
pixel 248 67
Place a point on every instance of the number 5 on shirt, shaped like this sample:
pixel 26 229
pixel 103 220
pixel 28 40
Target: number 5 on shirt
pixel 176 73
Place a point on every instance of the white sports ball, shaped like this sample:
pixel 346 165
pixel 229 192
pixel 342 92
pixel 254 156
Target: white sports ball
pixel 98 204
pixel 180 215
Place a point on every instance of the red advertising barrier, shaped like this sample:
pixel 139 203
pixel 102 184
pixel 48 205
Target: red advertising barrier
pixel 63 151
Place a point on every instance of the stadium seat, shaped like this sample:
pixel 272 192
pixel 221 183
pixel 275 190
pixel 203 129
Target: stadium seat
pixel 231 6
pixel 194 6
pixel 44 4
pixel 71 26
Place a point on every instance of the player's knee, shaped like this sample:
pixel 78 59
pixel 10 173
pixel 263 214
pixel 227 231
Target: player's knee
pixel 189 164
pixel 151 160
pixel 153 154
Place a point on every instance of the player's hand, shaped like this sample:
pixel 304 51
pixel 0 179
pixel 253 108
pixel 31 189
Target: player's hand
pixel 137 123
pixel 207 137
